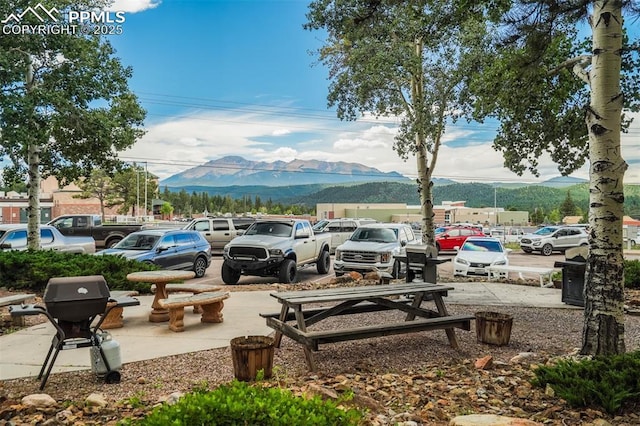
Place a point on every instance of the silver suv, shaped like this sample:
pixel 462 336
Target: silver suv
pixel 554 238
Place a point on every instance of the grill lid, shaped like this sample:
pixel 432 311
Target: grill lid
pixel 76 298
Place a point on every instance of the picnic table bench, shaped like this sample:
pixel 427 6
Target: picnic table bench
pixel 301 306
pixel 542 272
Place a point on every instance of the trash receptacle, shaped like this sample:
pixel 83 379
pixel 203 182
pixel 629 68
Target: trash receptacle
pixel 573 270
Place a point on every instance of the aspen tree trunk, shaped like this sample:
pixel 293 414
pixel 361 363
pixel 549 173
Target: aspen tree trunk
pixel 33 185
pixel 424 171
pixel 603 332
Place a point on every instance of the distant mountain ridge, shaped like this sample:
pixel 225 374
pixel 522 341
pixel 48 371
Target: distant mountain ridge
pixel 237 171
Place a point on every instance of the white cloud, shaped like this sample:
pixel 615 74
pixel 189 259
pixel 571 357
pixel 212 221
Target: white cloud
pixel 133 6
pixel 182 143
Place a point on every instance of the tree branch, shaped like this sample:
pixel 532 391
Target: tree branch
pixel 577 64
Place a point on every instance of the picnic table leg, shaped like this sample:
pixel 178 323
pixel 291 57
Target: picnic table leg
pixel 417 301
pixel 308 353
pixel 442 310
pixel 277 338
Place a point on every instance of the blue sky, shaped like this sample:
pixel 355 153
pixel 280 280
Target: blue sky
pixel 235 77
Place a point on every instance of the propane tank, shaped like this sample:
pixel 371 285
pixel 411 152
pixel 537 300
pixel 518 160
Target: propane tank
pixel 111 349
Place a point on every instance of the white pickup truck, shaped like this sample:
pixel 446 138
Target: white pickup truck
pixel 276 248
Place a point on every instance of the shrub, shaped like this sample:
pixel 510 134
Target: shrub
pixel 632 273
pixel 238 403
pixel 607 382
pixel 31 270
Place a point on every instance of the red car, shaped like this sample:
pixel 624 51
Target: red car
pixel 455 237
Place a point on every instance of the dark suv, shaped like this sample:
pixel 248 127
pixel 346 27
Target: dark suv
pixel 167 248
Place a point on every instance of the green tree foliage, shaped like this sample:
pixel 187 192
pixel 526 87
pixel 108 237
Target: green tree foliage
pixel 567 97
pixel 401 59
pixel 62 96
pixel 97 185
pixel 568 207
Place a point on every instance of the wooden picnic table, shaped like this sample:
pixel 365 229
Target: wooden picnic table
pixel 302 307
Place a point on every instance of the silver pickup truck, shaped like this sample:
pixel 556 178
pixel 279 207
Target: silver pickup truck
pixel 276 248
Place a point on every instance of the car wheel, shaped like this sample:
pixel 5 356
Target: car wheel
pixel 288 272
pixel 200 266
pixel 112 242
pixel 547 249
pixel 229 275
pixel 324 262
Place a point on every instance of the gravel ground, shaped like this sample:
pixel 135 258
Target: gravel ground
pixel 545 332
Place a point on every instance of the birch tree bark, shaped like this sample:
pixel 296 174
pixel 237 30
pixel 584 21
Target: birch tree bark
pixel 603 331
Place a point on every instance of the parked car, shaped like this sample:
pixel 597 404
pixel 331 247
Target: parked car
pixel 90 225
pixel 548 239
pixel 14 237
pixel 276 248
pixel 507 235
pixel 372 248
pixel 340 229
pixel 167 248
pixel 455 236
pixel 219 230
pixel 478 253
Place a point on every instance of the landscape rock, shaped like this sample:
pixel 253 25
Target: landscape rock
pixel 38 400
pixel 490 420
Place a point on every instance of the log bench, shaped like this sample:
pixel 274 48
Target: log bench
pixel 115 314
pixel 189 288
pixel 15 299
pixel 210 302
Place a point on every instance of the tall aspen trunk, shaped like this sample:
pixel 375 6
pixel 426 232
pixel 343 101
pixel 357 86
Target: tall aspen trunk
pixel 424 171
pixel 603 332
pixel 33 185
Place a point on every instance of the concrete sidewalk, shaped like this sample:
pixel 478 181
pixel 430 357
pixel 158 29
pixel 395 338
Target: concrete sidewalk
pixel 22 353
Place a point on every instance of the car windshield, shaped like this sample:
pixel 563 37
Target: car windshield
pixel 270 228
pixel 545 231
pixel 318 226
pixel 137 242
pixel 480 245
pixel 380 235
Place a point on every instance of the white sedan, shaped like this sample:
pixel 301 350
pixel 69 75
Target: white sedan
pixel 477 254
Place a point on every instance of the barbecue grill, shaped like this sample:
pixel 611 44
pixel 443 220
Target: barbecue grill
pixel 423 260
pixel 72 304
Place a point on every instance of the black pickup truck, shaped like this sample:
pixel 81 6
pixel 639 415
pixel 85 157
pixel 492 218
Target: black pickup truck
pixel 90 225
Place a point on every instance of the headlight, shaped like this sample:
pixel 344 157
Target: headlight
pixel 385 257
pixel 275 253
pixel 461 261
pixel 338 255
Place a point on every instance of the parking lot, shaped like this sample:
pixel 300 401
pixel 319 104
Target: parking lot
pixel 309 274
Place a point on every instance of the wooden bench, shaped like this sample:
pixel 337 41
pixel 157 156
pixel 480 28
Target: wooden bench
pixel 211 303
pixel 115 314
pixel 312 339
pixel 14 299
pixel 542 272
pixel 189 288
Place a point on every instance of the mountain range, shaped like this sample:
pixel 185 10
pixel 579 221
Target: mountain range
pixel 237 171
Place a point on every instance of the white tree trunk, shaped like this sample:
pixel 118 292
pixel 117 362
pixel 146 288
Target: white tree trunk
pixel 603 331
pixel 33 187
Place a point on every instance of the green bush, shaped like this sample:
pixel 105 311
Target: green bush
pixel 31 270
pixel 238 403
pixel 607 382
pixel 632 273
